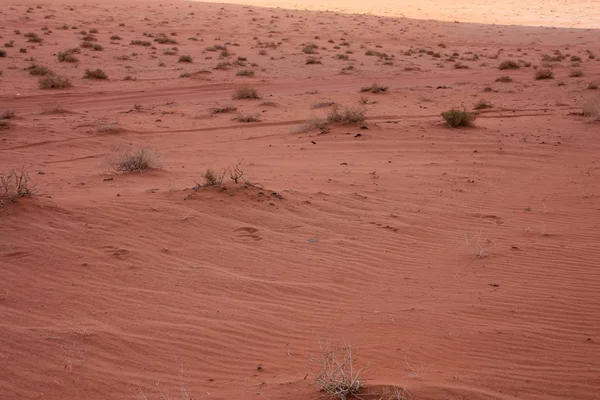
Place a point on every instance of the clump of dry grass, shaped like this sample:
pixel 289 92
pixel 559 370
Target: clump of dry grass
pixel 245 72
pixel 346 115
pixel 54 82
pixel 509 64
pixel 312 61
pixel 245 93
pixel 591 108
pixel 322 104
pixel 310 48
pixel 457 118
pixel 211 178
pixel 247 118
pixel 14 185
pixel 337 375
pixel 312 124
pixel 39 70
pixel 187 59
pixel 223 110
pixel 482 104
pixel 504 79
pixel 8 114
pixel 67 56
pixel 576 73
pixel 374 88
pixel 133 159
pixel 95 74
pixel 544 73
pixel 144 43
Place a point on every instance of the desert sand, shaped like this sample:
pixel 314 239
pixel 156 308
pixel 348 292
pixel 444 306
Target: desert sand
pixel 460 263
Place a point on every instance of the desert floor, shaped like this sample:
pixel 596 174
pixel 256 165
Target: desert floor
pixel 460 263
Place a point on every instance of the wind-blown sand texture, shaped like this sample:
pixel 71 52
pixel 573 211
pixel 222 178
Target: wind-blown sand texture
pixel 461 263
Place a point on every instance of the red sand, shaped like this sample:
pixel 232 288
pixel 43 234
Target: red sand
pixel 125 286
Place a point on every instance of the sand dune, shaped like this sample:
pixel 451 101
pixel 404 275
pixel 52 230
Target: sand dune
pixel 461 263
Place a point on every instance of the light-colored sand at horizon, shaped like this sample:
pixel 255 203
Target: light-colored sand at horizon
pixel 462 263
pixel 555 13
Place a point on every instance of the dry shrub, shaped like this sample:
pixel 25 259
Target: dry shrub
pixel 374 88
pixel 187 59
pixel 312 124
pixel 245 72
pixel 247 118
pixel 346 115
pixel 591 108
pixel 322 104
pixel 576 73
pixel 482 104
pixel 54 82
pixel 544 73
pixel 337 376
pixel 14 185
pixel 457 118
pixel 223 110
pixel 8 114
pixel 132 159
pixel 504 79
pixel 246 92
pixel 95 74
pixel 509 64
pixel 39 70
pixel 212 179
pixel 67 56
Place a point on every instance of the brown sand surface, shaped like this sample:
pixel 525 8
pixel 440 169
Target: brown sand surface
pixel 461 263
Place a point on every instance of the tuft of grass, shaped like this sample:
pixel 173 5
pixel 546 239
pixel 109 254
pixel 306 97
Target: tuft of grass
pixel 310 49
pixel 39 70
pixel 8 114
pixel 322 104
pixel 14 185
pixel 504 79
pixel 337 376
pixel 312 124
pixel 223 65
pixel 592 86
pixel 457 118
pixel 164 39
pixel 133 159
pixel 223 110
pixel 460 65
pixel 116 37
pixel 591 108
pixel 509 64
pixel 245 93
pixel 2 53
pixel 33 37
pixel 374 88
pixel 576 73
pixel 212 179
pixel 245 72
pixel 346 115
pixel 95 74
pixel 67 56
pixel 247 118
pixel 312 61
pixel 54 82
pixel 482 104
pixel 544 73
pixel 187 59
pixel 144 43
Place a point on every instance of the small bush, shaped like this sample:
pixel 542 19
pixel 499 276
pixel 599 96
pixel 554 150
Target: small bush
pixel 2 53
pixel 592 86
pixel 504 79
pixel 95 74
pixel 337 375
pixel 245 92
pixel 132 159
pixel 14 185
pixel 313 60
pixel 374 88
pixel 346 115
pixel 245 72
pixel 187 59
pixel 115 37
pixel 67 56
pixel 457 118
pixel 97 47
pixel 591 108
pixel 576 73
pixel 482 104
pixel 212 179
pixel 163 39
pixel 248 118
pixel 54 82
pixel 509 64
pixel 310 49
pixel 223 65
pixel 8 114
pixel 312 124
pixel 223 110
pixel 10 44
pixel 33 37
pixel 144 43
pixel 459 65
pixel 544 73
